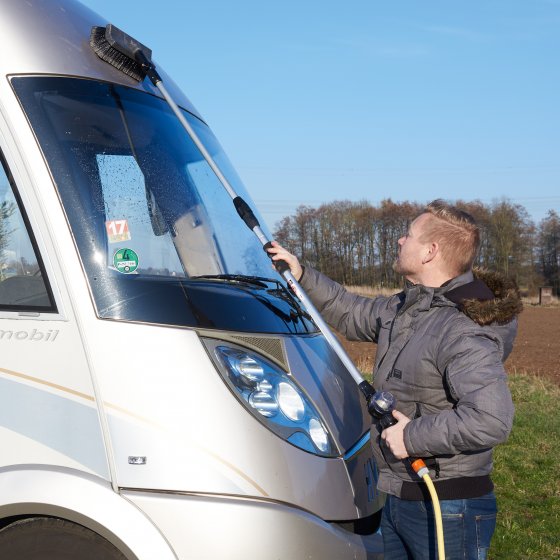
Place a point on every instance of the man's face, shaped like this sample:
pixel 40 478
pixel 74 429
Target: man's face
pixel 411 251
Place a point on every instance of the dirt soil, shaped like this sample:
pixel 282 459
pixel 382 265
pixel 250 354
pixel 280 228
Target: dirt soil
pixel 536 349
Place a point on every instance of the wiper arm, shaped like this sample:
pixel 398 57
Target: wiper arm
pixel 254 280
pixel 281 291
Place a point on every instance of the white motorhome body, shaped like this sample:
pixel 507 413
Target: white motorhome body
pixel 162 394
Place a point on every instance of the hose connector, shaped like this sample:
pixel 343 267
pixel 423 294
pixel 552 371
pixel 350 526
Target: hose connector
pixel 419 467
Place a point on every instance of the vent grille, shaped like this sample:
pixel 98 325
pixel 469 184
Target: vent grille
pixel 269 346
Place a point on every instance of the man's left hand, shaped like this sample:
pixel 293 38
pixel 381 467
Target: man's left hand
pixel 394 436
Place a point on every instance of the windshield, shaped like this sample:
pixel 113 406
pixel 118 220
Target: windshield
pixel 143 205
pixel 144 182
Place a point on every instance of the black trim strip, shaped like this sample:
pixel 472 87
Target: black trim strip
pixel 449 489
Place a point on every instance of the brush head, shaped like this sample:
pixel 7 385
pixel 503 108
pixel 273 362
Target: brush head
pixel 120 50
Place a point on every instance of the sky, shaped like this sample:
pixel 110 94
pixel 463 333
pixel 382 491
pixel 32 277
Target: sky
pixel 316 100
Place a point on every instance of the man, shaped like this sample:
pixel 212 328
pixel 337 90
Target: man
pixel 440 347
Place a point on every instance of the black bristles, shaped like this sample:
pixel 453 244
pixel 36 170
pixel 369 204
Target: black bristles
pixel 120 61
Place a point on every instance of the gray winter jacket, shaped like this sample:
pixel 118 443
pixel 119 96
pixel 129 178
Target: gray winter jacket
pixel 440 353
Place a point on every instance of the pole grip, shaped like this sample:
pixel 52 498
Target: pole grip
pixel 281 266
pixel 367 390
pixel 245 213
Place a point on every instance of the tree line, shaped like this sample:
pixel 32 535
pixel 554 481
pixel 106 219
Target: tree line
pixel 355 243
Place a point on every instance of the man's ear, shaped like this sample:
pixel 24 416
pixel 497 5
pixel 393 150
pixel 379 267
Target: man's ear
pixel 430 253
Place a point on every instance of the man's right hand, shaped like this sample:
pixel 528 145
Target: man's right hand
pixel 278 253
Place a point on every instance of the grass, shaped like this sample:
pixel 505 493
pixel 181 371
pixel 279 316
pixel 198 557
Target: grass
pixel 526 475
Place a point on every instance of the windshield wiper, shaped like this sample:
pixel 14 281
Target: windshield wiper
pixel 281 291
pixel 254 280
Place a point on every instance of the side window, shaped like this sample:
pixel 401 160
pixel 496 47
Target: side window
pixel 23 285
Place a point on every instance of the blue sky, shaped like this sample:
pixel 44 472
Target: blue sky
pixel 317 101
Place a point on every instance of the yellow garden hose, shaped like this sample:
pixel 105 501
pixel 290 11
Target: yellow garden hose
pixel 422 471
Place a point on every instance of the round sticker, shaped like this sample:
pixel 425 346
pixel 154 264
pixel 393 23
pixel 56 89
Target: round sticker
pixel 125 261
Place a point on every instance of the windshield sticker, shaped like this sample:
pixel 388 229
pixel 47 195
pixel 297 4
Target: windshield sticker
pixel 117 231
pixel 125 261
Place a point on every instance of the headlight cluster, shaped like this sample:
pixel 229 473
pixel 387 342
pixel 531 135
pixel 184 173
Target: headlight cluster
pixel 275 399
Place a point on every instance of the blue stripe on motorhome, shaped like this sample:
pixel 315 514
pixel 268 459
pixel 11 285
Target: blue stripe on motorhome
pixel 357 446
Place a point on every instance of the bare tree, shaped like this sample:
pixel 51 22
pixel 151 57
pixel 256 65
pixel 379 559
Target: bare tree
pixel 357 243
pixel 549 250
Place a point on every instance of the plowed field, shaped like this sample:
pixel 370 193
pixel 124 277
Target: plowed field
pixel 536 350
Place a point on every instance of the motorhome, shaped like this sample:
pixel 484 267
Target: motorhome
pixel 163 394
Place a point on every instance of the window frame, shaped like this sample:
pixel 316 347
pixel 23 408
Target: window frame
pixel 25 311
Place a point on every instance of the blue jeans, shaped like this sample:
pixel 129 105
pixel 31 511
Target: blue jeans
pixel 409 531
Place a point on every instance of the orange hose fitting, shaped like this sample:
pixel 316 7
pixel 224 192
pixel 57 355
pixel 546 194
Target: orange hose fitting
pixel 417 464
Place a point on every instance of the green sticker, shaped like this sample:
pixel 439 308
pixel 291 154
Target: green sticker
pixel 125 261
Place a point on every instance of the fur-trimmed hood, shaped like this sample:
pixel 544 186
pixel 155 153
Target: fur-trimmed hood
pixel 491 298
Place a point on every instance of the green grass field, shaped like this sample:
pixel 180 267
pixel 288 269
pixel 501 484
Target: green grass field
pixel 527 476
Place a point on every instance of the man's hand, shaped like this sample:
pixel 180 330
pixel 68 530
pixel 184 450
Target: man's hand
pixel 277 252
pixel 394 436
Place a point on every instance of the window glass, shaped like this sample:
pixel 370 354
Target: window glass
pixel 22 284
pixel 127 216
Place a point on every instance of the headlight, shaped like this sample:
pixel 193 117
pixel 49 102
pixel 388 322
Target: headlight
pixel 290 401
pixel 274 398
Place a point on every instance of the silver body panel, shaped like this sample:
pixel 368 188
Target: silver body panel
pixel 253 529
pixel 62 29
pixel 75 406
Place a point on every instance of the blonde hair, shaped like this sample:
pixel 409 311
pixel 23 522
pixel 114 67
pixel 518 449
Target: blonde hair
pixel 456 233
